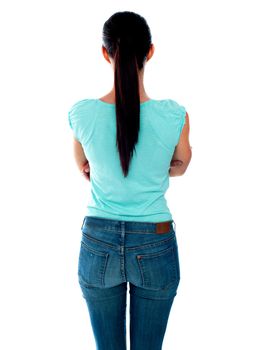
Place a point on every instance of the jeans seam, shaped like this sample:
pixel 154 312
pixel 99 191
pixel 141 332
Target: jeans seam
pixel 94 250
pixel 147 245
pixel 108 245
pixel 150 245
pixel 154 255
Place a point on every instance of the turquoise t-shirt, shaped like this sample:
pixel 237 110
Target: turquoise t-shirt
pixel 141 195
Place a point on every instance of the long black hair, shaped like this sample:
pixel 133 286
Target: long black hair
pixel 127 39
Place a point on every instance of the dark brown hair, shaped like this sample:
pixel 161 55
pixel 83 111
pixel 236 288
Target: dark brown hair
pixel 127 39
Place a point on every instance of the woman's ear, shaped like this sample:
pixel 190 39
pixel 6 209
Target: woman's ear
pixel 151 51
pixel 105 53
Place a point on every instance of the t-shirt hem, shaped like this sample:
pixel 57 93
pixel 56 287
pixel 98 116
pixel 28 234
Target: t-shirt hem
pixel 139 218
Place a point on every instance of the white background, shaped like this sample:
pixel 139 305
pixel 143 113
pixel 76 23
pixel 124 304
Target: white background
pixel 204 59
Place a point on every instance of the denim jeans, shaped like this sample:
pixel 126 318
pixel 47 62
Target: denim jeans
pixel 114 252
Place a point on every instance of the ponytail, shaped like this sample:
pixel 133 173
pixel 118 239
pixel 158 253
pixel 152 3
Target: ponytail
pixel 127 96
pixel 127 38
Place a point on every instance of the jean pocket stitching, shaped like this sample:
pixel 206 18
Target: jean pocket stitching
pixel 96 252
pixel 152 245
pixel 154 274
pixel 89 276
pixel 99 242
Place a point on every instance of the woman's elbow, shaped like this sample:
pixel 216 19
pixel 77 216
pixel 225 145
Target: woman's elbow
pixel 181 169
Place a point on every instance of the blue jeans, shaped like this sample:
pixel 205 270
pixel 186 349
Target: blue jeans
pixel 114 252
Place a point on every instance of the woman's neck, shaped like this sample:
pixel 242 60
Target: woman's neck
pixel 110 97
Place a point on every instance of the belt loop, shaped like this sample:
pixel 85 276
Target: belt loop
pixel 174 226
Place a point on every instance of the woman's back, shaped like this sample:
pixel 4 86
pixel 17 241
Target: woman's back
pixel 141 195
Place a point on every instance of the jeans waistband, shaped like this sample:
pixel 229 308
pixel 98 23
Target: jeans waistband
pixel 131 226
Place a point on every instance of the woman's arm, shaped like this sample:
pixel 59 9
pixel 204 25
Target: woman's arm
pixel 183 153
pixel 81 160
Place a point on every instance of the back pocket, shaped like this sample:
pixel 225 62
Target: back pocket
pixel 160 270
pixel 91 266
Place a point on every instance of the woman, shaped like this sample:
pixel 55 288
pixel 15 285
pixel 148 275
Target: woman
pixel 127 145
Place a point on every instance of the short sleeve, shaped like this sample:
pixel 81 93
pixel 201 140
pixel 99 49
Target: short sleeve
pixel 178 119
pixel 72 120
pixel 182 121
pixel 76 119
